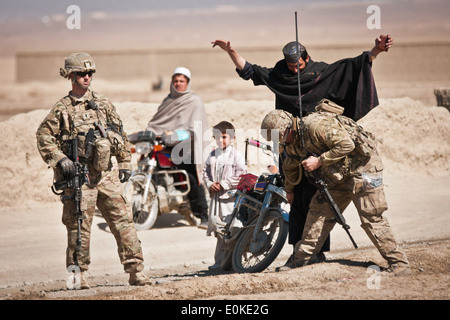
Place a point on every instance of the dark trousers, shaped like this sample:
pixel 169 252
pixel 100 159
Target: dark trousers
pixel 303 193
pixel 197 197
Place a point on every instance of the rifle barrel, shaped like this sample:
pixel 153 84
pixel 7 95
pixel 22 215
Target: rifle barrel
pixel 339 218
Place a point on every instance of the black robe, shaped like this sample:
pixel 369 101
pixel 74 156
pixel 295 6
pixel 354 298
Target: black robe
pixel 348 82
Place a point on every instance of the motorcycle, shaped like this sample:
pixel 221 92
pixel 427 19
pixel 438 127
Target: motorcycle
pixel 157 186
pixel 258 226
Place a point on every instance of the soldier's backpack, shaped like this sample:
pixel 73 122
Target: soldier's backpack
pixel 365 142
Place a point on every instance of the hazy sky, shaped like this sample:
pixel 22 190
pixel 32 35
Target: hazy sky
pixel 16 9
pixel 23 9
pixel 27 25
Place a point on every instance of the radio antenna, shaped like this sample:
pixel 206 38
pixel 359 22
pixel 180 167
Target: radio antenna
pixel 299 101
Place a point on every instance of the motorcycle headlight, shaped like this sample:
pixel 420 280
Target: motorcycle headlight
pixel 143 147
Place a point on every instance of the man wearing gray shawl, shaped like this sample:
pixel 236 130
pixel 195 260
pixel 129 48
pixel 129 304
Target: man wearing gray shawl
pixel 182 109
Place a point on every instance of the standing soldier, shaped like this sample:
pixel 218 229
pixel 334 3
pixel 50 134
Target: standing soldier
pixel 71 119
pixel 345 156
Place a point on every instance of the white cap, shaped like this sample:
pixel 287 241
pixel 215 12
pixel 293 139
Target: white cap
pixel 184 71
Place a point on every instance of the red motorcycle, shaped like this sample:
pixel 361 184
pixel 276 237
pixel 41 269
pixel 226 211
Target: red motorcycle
pixel 158 185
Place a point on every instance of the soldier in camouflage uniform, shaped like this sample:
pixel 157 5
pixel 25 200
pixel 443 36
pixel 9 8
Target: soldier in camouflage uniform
pixel 72 117
pixel 345 156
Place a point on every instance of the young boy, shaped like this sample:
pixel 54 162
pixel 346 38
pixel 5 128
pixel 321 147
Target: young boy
pixel 221 173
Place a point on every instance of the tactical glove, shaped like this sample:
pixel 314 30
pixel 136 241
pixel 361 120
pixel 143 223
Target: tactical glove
pixel 124 175
pixel 68 168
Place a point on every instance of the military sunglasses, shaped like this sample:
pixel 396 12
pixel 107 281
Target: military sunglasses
pixel 83 74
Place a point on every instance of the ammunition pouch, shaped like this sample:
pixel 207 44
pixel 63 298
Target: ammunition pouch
pixel 85 141
pixel 102 154
pixel 335 173
pixel 116 142
pixel 365 143
pixel 81 144
pixel 329 106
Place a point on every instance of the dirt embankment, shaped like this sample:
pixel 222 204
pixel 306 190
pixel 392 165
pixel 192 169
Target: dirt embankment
pixel 414 146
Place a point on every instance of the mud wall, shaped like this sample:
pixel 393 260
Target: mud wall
pixel 405 62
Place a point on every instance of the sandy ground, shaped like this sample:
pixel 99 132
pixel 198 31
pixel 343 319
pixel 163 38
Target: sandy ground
pixel 177 256
pixel 414 143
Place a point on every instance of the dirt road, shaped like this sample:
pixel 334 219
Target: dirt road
pixel 32 252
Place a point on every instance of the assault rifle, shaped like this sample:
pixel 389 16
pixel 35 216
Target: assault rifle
pixel 76 182
pixel 338 217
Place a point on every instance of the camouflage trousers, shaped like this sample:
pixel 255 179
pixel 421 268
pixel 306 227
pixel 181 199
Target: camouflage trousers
pixel 365 190
pixel 106 195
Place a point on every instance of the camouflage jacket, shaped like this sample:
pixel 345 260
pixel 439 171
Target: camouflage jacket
pixel 71 118
pixel 334 140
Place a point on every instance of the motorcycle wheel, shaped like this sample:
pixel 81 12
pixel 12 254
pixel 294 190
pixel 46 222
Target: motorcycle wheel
pixel 144 215
pixel 251 257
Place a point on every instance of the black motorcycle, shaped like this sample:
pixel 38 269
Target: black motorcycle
pixel 258 227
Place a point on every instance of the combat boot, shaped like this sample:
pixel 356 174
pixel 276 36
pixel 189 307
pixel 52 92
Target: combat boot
pixel 294 262
pixel 77 281
pixel 398 269
pixel 138 279
pixel 83 282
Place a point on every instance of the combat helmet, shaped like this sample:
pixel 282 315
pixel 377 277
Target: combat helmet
pixel 276 120
pixel 77 62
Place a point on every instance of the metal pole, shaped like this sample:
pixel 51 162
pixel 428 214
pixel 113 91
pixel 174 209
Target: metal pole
pixel 299 101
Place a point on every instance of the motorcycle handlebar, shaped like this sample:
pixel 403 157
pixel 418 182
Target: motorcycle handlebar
pixel 259 144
